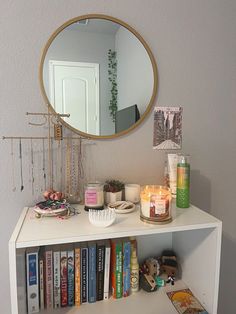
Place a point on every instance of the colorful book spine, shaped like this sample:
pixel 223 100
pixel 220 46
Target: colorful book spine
pixel 71 277
pixel 63 264
pixel 77 276
pixel 49 278
pixel 92 273
pixel 32 281
pixel 126 267
pixel 56 278
pixel 84 274
pixel 107 270
pixel 117 270
pixel 100 270
pixel 41 278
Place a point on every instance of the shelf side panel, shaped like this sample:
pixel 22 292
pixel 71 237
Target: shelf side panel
pixel 198 256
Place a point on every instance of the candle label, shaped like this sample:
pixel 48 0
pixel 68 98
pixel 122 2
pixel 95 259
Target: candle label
pixel 159 206
pixel 91 197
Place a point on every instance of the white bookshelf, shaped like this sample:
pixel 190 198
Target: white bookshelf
pixel 193 234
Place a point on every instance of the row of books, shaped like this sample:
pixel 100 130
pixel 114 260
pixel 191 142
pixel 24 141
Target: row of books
pixel 66 275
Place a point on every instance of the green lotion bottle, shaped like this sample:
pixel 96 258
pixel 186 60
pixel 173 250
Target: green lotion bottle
pixel 183 182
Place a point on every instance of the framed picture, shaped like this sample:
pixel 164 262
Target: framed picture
pixel 167 131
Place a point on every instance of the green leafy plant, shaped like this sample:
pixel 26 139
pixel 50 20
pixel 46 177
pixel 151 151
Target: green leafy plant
pixel 113 186
pixel 112 77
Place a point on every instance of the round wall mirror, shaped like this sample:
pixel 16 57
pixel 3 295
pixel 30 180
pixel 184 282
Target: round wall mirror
pixel 99 71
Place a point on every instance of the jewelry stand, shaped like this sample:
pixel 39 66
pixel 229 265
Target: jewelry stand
pixel 49 118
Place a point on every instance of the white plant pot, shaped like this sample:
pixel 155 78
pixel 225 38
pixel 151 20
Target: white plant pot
pixel 113 197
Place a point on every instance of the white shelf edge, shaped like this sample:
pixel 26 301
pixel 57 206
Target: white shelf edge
pixel 120 234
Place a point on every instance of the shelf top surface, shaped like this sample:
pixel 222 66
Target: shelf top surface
pixel 51 230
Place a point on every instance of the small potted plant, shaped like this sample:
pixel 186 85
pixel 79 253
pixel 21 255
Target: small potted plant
pixel 113 189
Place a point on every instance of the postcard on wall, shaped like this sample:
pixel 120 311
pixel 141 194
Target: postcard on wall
pixel 185 302
pixel 167 131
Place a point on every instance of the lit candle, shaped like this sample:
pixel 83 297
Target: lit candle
pixel 155 204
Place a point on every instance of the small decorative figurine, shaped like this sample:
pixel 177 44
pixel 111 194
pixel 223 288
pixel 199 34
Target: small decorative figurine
pixel 169 265
pixel 149 270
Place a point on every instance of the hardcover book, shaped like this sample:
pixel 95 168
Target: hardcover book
pixel 117 269
pixel 32 280
pixel 126 267
pixel 56 277
pixel 48 277
pixel 107 270
pixel 63 264
pixel 77 275
pixel 84 273
pixel 92 272
pixel 185 302
pixel 71 276
pixel 100 269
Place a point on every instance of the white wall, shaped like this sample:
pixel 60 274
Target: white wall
pixel 195 49
pixel 134 71
pixel 79 46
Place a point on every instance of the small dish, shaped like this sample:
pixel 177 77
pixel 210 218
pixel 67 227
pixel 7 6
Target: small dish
pixel 122 207
pixel 102 218
pixel 50 212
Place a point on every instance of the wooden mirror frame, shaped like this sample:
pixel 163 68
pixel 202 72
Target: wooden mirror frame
pixel 153 62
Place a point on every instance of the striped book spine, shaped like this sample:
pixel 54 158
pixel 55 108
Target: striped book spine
pixel 107 270
pixel 56 278
pixel 84 273
pixel 41 278
pixel 77 276
pixel 49 277
pixel 63 263
pixel 100 269
pixel 71 276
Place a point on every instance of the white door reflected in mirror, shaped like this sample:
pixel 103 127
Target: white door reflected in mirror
pixel 101 72
pixel 74 89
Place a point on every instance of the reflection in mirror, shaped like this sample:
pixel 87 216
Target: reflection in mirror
pixel 100 73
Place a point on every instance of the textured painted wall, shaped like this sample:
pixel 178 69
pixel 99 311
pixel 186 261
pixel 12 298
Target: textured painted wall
pixel 194 45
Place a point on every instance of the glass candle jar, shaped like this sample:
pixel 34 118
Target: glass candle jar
pixel 94 196
pixel 155 204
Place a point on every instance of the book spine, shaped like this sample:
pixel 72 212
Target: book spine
pixel 63 264
pixel 107 272
pixel 56 279
pixel 32 282
pixel 126 268
pixel 113 269
pixel 119 270
pixel 77 277
pixel 84 274
pixel 41 282
pixel 92 274
pixel 71 277
pixel 100 271
pixel 48 279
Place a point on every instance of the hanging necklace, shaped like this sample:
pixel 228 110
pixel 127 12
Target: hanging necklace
pixel 61 168
pixel 32 166
pixel 21 166
pixel 44 167
pixel 68 168
pixel 13 167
